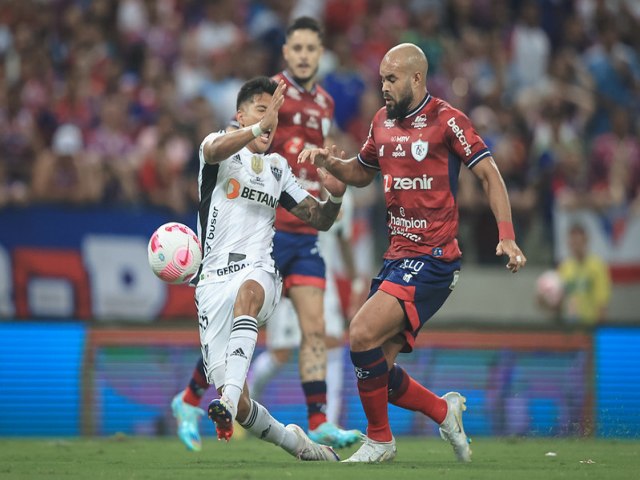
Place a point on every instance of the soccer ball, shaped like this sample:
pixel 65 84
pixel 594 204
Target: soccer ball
pixel 549 289
pixel 174 253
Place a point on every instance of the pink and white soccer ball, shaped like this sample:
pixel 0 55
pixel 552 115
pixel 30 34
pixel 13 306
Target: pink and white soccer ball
pixel 174 252
pixel 549 288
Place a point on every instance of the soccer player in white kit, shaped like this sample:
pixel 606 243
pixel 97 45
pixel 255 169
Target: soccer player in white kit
pixel 238 284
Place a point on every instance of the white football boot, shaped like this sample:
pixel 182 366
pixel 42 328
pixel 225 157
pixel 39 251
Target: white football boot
pixel 374 452
pixel 452 430
pixel 310 451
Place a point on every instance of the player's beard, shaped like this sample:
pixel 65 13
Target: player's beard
pixel 401 108
pixel 310 78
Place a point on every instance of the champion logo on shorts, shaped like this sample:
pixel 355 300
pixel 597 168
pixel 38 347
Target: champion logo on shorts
pixel 238 352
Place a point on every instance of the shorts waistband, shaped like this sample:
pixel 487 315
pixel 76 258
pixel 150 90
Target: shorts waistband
pixel 219 274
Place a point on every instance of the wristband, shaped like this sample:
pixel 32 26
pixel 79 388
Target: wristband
pixel 505 231
pixel 336 200
pixel 256 130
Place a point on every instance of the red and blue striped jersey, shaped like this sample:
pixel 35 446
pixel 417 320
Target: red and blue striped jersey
pixel 304 121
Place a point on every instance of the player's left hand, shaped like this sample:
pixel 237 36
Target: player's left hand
pixel 517 260
pixel 334 186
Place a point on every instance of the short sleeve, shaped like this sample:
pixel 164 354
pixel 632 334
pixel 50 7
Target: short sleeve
pixel 368 155
pixel 292 193
pixel 207 139
pixel 463 140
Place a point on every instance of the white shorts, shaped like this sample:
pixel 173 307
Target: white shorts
pixel 215 315
pixel 283 329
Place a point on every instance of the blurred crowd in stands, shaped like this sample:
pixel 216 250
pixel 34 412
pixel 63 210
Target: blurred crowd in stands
pixel 105 102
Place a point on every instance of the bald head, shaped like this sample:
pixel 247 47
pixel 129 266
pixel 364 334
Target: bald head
pixel 409 58
pixel 403 71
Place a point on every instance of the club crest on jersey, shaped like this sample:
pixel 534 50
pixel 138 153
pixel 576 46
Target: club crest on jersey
pixel 419 150
pixel 256 164
pixel 389 123
pixel 277 172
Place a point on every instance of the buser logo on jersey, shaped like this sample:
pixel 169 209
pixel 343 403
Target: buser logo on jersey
pixel 407 183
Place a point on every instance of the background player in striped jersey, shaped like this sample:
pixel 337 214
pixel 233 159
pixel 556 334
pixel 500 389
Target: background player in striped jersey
pixel 238 284
pixel 418 143
pixel 305 120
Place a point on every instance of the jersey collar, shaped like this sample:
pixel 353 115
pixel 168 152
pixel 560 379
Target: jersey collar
pixel 423 103
pixel 299 87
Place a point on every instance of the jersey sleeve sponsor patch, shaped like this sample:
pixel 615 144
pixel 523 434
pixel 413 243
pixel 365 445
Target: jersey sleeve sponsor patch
pixel 463 139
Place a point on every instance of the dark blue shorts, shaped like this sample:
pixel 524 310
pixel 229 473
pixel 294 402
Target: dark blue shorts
pixel 421 284
pixel 298 259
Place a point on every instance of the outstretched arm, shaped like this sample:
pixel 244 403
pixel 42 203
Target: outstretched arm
pixel 349 171
pixel 321 215
pixel 494 187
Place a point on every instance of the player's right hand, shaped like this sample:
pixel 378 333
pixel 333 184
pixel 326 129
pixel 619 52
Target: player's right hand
pixel 508 247
pixel 320 156
pixel 315 156
pixel 270 119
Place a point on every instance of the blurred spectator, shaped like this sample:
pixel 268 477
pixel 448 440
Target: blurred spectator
pixel 217 30
pixel 586 282
pixel 112 145
pixel 615 166
pixel 164 154
pixel 530 49
pixel 222 84
pixel 616 71
pixel 345 84
pixel 63 174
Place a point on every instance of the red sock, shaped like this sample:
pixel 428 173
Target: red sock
pixel 411 395
pixel 373 377
pixel 316 397
pixel 191 398
pixel 198 386
pixel 374 398
pixel 316 419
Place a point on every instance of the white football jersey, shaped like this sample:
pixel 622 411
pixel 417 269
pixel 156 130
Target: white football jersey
pixel 238 200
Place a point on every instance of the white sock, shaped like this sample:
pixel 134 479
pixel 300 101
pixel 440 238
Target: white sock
pixel 242 342
pixel 263 369
pixel 335 374
pixel 261 424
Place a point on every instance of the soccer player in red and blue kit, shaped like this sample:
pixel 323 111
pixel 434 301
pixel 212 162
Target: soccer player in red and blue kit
pixel 418 143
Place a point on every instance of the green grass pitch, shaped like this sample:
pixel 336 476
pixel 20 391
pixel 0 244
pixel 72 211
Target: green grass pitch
pixel 122 457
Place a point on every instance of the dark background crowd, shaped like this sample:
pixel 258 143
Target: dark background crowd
pixel 105 102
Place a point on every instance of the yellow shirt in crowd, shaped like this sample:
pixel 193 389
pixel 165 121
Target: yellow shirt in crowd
pixel 587 288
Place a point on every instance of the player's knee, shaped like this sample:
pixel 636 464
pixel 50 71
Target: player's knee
pixel 361 337
pixel 249 300
pixel 312 327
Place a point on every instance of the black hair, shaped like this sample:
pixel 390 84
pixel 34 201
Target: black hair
pixel 255 86
pixel 306 23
